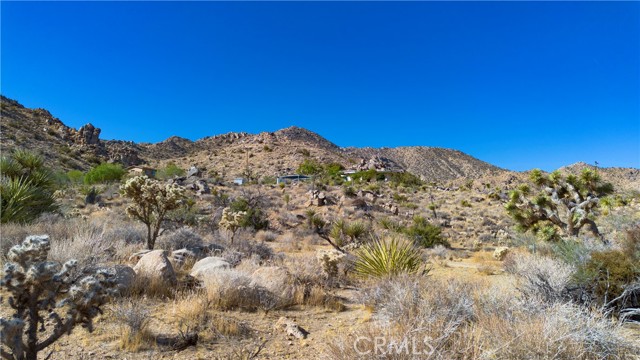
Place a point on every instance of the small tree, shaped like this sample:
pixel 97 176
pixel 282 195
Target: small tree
pixel 558 203
pixel 232 221
pixel 26 187
pixel 151 202
pixel 42 290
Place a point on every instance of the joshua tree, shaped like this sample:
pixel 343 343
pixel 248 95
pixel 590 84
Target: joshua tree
pixel 151 202
pixel 559 203
pixel 46 302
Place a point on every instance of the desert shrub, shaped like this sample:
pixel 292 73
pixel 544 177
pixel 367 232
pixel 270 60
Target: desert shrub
pixel 425 234
pixel 104 173
pixel 387 257
pixel 404 179
pixel 92 195
pixel 266 236
pixel 134 319
pixel 170 171
pixel 26 187
pixel 182 238
pixel 606 275
pixel 248 249
pixel 391 225
pixel 253 216
pixel 39 289
pixel 465 203
pixel 421 317
pixel 86 244
pixel 631 243
pixel 540 277
pixel 76 177
pixel 129 233
pixel 152 201
pixel 349 191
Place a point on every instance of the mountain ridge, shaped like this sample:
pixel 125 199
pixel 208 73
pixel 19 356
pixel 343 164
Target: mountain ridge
pixel 231 154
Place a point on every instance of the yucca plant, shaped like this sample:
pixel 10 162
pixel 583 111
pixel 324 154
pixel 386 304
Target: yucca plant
pixel 355 230
pixel 26 187
pixel 387 257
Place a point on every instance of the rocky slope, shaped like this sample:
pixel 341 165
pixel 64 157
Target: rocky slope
pixel 232 154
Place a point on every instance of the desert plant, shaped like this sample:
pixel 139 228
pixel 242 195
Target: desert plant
pixel 134 319
pixel 104 173
pixel 606 275
pixel 151 202
pixel 355 230
pixel 41 289
pixel 231 221
pixel 560 203
pixel 425 234
pixel 75 176
pixel 169 171
pixel 26 187
pixel 182 238
pixel 250 207
pixel 387 257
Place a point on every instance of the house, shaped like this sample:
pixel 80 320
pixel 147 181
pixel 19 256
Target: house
pixel 291 178
pixel 141 170
pixel 239 181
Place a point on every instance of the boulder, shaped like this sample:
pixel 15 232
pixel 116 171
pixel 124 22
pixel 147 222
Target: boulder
pixel 193 171
pixel 500 253
pixel 155 266
pixel 208 266
pixel 272 278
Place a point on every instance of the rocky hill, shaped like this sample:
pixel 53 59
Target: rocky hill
pixel 62 147
pixel 233 154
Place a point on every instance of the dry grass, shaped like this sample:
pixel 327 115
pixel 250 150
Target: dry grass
pixel 455 320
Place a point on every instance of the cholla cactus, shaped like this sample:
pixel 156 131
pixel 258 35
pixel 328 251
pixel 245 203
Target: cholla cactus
pixel 39 287
pixel 151 202
pixel 231 221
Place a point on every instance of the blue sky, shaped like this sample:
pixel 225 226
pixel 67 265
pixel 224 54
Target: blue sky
pixel 520 85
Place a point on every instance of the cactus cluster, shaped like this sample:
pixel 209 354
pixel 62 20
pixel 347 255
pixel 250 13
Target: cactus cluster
pixel 46 299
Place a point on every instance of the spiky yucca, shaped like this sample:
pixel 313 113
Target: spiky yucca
pixel 26 187
pixel 387 257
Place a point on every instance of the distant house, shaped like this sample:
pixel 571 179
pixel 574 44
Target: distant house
pixel 292 178
pixel 239 181
pixel 347 174
pixel 142 170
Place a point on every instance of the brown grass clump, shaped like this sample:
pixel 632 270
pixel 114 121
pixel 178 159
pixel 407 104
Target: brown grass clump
pixel 133 330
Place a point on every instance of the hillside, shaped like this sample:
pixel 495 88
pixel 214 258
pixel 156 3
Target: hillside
pixel 265 154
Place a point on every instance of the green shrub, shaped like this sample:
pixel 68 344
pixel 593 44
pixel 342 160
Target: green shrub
pixel 425 234
pixel 465 203
pixel 104 173
pixel 75 176
pixel 387 257
pixel 607 274
pixel 26 187
pixel 169 171
pixel 253 217
pixel 389 224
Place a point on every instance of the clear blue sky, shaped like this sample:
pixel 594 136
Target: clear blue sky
pixel 520 85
